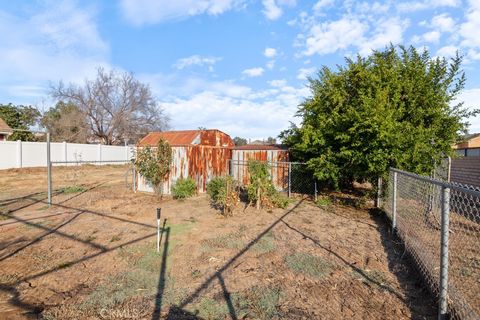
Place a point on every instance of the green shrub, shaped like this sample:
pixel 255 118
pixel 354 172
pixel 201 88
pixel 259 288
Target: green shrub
pixel 223 193
pixel 261 190
pixel 184 188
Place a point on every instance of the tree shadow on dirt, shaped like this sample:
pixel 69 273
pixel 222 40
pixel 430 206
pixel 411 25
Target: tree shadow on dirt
pixel 402 265
pixel 177 312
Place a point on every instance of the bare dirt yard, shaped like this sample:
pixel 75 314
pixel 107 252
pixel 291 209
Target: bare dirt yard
pixel 92 255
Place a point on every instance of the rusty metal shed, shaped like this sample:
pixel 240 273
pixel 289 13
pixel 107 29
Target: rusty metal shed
pixel 275 155
pixel 199 154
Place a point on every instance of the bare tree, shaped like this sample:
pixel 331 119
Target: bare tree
pixel 117 106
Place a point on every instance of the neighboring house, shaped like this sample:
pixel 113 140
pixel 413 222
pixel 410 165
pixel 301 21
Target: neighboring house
pixel 199 154
pixel 275 155
pixel 465 169
pixel 469 147
pixel 5 130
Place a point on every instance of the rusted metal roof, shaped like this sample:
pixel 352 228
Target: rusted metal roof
pixel 261 147
pixel 212 137
pixel 4 127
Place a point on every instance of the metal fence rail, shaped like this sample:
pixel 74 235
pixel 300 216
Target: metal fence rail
pixel 439 222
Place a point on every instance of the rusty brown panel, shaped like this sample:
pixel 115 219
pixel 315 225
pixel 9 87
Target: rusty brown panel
pixel 216 138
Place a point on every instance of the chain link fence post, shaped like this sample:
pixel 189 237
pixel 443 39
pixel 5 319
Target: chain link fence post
pixel 445 220
pixel 289 179
pixel 49 171
pixel 394 201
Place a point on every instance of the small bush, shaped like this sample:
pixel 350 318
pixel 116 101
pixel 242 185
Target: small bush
pixel 261 190
pixel 223 193
pixel 184 188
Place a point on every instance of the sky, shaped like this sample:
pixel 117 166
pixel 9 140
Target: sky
pixel 240 66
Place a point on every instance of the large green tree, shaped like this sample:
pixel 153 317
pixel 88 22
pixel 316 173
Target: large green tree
pixel 20 117
pixel 393 108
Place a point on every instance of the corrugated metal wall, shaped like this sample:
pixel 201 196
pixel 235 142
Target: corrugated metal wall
pixel 201 163
pixel 466 170
pixel 278 168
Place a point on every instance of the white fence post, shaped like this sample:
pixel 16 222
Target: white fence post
pixel 64 145
pixel 19 153
pixel 99 152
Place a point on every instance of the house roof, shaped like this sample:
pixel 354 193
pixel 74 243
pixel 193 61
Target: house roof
pixel 261 147
pixel 4 127
pixel 211 137
pixel 470 136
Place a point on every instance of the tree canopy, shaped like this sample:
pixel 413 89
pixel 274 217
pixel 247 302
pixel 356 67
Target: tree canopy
pixel 240 141
pixel 66 122
pixel 20 117
pixel 117 106
pixel 393 108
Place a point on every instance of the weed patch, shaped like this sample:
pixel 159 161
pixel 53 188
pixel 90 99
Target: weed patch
pixel 265 244
pixel 308 264
pixel 73 189
pixel 323 202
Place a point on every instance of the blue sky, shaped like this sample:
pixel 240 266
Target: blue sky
pixel 236 65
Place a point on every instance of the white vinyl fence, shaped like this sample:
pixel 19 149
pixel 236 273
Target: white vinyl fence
pixel 18 154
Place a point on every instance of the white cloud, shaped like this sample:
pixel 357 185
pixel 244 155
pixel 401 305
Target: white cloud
pixel 387 31
pixel 278 83
pixel 322 4
pixel 443 23
pixel 270 52
pixel 270 64
pixel 432 36
pixel 60 41
pixel 469 29
pixel 411 6
pixel 328 37
pixel 447 51
pixel 195 60
pixel 139 12
pixel 272 9
pixel 253 72
pixel 304 73
pixel 239 111
pixel 471 97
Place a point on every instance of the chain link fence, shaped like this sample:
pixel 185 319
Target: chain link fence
pixel 290 178
pixel 439 223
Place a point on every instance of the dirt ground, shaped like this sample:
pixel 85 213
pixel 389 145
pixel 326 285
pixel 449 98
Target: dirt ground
pixel 92 255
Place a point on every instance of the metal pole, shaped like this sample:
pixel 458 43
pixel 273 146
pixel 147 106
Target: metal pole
pixel 316 191
pixel 49 171
pixel 134 179
pixel 289 179
pixel 159 210
pixel 379 192
pixel 443 304
pixel 449 169
pixel 394 202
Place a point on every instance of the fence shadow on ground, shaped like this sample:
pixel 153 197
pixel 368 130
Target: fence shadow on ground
pixel 406 275
pixel 179 312
pixel 11 288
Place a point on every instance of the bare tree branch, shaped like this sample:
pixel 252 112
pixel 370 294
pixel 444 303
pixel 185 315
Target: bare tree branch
pixel 117 106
